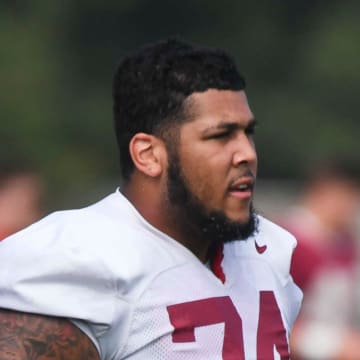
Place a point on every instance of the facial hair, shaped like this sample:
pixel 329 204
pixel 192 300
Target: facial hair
pixel 193 217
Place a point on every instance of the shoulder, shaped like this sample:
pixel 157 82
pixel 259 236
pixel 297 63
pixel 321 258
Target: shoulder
pixel 278 239
pixel 102 246
pixel 107 224
pixel 90 265
pixel 271 245
pixel 280 246
pixel 263 262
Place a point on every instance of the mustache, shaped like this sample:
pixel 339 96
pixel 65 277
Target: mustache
pixel 245 173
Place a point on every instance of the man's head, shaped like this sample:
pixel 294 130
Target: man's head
pixel 150 88
pixel 21 195
pixel 191 99
pixel 332 190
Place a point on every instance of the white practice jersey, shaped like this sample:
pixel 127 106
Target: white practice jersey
pixel 139 294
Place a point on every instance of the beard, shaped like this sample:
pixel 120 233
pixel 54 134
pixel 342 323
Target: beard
pixel 193 217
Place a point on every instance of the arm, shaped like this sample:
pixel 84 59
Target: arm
pixel 26 336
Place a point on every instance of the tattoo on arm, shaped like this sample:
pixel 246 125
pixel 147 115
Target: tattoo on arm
pixel 26 336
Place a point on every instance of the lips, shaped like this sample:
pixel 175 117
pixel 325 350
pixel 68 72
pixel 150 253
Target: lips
pixel 244 183
pixel 242 187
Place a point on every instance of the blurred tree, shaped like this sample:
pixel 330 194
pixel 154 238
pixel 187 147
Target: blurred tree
pixel 300 59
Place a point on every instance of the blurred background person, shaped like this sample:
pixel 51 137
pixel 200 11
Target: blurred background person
pixel 326 260
pixel 21 196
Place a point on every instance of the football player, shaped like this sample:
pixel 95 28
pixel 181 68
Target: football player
pixel 175 264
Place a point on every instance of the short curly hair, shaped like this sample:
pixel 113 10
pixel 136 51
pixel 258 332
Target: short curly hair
pixel 150 88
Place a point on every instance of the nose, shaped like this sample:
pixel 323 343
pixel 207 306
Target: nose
pixel 245 152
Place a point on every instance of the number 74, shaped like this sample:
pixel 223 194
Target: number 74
pixel 185 317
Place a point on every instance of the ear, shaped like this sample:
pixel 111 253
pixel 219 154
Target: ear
pixel 147 154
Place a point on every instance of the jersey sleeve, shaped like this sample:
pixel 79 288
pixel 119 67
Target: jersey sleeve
pixel 54 268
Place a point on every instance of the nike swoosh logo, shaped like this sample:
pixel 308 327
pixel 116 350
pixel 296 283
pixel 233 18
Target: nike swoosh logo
pixel 260 248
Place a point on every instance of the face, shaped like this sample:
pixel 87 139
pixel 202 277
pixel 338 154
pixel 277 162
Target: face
pixel 341 198
pixel 212 171
pixel 20 201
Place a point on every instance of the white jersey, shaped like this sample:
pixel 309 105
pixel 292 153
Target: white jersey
pixel 139 294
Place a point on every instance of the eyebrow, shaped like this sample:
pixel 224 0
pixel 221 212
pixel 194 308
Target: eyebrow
pixel 230 126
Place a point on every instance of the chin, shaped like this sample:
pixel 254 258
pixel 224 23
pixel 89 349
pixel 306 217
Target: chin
pixel 222 228
pixel 239 218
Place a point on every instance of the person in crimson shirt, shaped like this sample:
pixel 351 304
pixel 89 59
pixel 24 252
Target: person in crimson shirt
pixel 21 196
pixel 174 264
pixel 325 263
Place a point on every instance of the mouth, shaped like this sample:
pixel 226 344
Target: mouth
pixel 242 188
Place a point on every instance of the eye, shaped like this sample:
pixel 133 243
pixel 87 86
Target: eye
pixel 220 135
pixel 250 130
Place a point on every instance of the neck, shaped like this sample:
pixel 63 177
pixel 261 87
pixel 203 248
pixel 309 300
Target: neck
pixel 149 200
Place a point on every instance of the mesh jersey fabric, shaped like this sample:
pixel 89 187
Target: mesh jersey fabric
pixel 117 277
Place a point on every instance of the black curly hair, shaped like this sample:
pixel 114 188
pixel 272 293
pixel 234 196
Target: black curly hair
pixel 150 88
